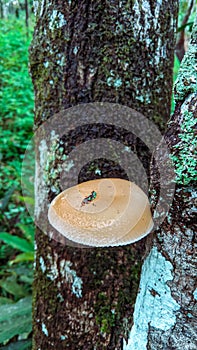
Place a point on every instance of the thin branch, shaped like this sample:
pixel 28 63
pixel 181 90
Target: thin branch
pixel 180 49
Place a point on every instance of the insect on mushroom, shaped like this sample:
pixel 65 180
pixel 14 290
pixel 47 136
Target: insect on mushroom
pixel 89 198
pixel 120 213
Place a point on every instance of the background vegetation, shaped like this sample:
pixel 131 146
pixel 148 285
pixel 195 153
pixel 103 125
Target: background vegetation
pixel 16 228
pixel 16 123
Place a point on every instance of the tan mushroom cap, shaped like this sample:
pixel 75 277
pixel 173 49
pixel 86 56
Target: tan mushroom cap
pixel 118 215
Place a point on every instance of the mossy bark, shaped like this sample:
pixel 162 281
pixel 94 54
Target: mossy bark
pixel 86 51
pixel 168 279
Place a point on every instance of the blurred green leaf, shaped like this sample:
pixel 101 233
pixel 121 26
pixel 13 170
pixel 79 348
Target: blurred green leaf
pixel 19 345
pixel 10 285
pixel 4 301
pixel 5 251
pixel 28 232
pixel 23 257
pixel 28 200
pixel 6 198
pixel 189 25
pixel 15 319
pixel 16 242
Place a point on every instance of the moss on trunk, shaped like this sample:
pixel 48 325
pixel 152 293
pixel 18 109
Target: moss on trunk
pixel 86 51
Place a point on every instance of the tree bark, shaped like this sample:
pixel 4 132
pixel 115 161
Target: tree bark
pixel 86 51
pixel 165 310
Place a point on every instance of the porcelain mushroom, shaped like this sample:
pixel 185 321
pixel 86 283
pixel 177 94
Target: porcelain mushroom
pixel 102 213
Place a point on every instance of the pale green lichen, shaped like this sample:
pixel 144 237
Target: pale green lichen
pixel 112 80
pixel 61 59
pixel 40 184
pixel 42 264
pixel 155 306
pixel 184 153
pixel 60 297
pixel 46 64
pixel 195 294
pixel 71 276
pixel 38 7
pixel 63 337
pixel 52 170
pixel 98 171
pixel 143 9
pixel 186 82
pixel 45 330
pixel 75 50
pixel 57 20
pixel 64 271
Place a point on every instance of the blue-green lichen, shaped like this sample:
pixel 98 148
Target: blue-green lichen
pixel 112 80
pixel 186 82
pixel 155 307
pixel 63 337
pixel 45 330
pixel 184 153
pixel 72 277
pixel 42 264
pixel 51 170
pixel 67 274
pixel 195 294
pixel 57 20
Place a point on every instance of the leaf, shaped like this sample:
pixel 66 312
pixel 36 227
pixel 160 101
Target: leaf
pixel 4 301
pixel 11 286
pixel 28 200
pixel 5 251
pixel 16 242
pixel 15 319
pixel 26 279
pixel 188 24
pixel 19 345
pixel 6 198
pixel 28 232
pixel 29 256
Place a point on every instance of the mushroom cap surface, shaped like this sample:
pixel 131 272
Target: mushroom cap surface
pixel 102 213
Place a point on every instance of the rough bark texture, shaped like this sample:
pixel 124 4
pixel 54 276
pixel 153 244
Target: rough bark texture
pixel 101 51
pixel 165 310
pixel 84 51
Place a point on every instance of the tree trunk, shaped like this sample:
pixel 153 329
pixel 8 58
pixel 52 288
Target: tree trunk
pixel 86 51
pixel 165 310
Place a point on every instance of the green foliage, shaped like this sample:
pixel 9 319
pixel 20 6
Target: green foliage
pixel 15 313
pixel 175 73
pixel 19 345
pixel 15 319
pixel 16 242
pixel 16 230
pixel 16 102
pixel 183 8
pixel 26 244
pixel 16 281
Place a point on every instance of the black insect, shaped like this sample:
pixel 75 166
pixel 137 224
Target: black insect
pixel 89 198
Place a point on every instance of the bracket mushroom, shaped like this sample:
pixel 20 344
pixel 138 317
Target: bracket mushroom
pixel 102 213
